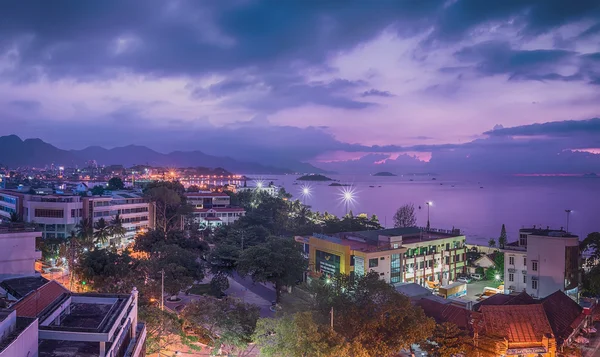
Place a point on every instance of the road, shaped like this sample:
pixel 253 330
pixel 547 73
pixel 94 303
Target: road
pixel 253 293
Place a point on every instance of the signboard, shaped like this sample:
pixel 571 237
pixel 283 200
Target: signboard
pixel 525 351
pixel 359 265
pixel 301 239
pixel 327 263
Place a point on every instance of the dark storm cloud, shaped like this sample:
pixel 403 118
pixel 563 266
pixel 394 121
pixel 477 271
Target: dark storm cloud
pixel 533 17
pixel 496 57
pixel 376 93
pixel 554 129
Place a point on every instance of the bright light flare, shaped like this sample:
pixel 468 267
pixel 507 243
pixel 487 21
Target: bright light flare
pixel 497 276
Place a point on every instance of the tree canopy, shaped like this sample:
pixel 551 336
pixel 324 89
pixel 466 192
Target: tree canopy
pixel 405 216
pixel 115 183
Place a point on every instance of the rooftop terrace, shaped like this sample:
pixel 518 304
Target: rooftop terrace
pixel 19 287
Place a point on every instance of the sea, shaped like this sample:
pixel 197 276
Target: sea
pixel 477 205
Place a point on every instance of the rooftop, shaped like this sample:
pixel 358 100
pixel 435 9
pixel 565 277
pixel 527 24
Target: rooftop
pixel 504 299
pixel 441 313
pixel 22 323
pixel 39 301
pixel 206 194
pixel 548 232
pixel 60 348
pixel 412 290
pixel 409 234
pixel 354 244
pixel 93 313
pixel 19 287
pixel 519 324
pixel 563 313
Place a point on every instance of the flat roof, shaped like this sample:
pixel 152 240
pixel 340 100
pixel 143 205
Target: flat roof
pixel 548 232
pixel 409 234
pixel 362 246
pixel 94 313
pixel 61 348
pixel 19 287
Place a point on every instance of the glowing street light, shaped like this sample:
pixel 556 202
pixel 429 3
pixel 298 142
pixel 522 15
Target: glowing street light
pixel 347 195
pixel 259 184
pixel 429 204
pixel 305 193
pixel 497 276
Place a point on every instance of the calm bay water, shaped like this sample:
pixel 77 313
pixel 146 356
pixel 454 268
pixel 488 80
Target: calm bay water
pixel 461 202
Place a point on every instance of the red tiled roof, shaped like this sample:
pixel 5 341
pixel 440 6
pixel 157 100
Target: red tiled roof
pixel 502 299
pixel 446 313
pixel 36 301
pixel 519 324
pixel 564 314
pixel 207 194
pixel 220 209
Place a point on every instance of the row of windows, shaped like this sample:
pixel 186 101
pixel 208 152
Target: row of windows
pixel 511 278
pixel 432 249
pixel 10 200
pixel 7 209
pixel 49 213
pixel 229 214
pixel 511 261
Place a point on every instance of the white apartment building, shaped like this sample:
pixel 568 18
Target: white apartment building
pixel 134 210
pixel 58 215
pixel 270 189
pixel 17 253
pixel 55 215
pixel 213 209
pixel 541 262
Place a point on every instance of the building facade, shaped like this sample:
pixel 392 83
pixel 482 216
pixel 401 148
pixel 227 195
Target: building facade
pixel 213 209
pixel 18 335
pixel 541 262
pixel 399 255
pixel 18 253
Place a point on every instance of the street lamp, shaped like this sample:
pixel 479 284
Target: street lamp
pixel 568 212
pixel 428 203
pixel 497 276
pixel 305 193
pixel 347 195
pixel 259 184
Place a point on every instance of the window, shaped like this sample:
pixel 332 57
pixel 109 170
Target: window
pixel 524 279
pixel 395 269
pixel 421 265
pixel 524 261
pixel 511 277
pixel 534 265
pixel 534 285
pixel 49 213
pixel 447 246
pixel 382 258
pixel 373 263
pixel 511 260
pixel 523 239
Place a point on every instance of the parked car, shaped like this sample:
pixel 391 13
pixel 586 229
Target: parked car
pixel 476 276
pixel 464 279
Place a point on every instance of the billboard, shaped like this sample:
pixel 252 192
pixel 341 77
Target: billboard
pixel 359 265
pixel 327 263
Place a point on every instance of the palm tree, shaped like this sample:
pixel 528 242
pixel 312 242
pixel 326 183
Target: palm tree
pixel 492 243
pixel 116 227
pixel 101 231
pixel 85 233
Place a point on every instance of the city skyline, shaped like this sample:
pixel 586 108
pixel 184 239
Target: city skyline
pixel 440 86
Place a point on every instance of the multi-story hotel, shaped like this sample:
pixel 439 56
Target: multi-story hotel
pixel 213 209
pixel 56 216
pixel 398 254
pixel 541 262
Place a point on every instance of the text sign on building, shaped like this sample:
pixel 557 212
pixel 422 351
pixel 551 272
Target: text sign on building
pixel 525 351
pixel 327 263
pixel 359 265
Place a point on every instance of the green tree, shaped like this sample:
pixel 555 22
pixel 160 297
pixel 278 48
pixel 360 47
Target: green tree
pixel 591 245
pixel 405 216
pixel 219 283
pixel 298 335
pixel 85 234
pixel 371 313
pixel 163 328
pixel 108 272
pixel 193 188
pixel 228 323
pixel 447 341
pixel 116 228
pixel 101 231
pixel 115 183
pixel 97 190
pixel 492 243
pixel 15 218
pixel 181 267
pixel 502 240
pixel 278 260
pixel 169 204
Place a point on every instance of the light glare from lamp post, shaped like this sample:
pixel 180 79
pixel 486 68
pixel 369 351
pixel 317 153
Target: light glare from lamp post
pixel 497 276
pixel 348 197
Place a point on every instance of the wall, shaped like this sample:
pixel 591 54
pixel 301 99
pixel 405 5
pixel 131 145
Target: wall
pixel 333 248
pixel 517 270
pixel 550 254
pixel 17 253
pixel 26 344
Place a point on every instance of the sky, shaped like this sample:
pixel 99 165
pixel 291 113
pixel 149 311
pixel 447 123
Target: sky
pixel 351 85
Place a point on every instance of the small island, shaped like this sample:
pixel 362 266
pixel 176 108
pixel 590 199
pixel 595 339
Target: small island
pixel 337 184
pixel 384 173
pixel 314 177
pixel 590 174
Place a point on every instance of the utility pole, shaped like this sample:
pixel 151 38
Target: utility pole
pixel 331 315
pixel 162 290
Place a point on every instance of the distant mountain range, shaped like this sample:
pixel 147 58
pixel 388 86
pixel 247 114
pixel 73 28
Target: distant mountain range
pixel 15 152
